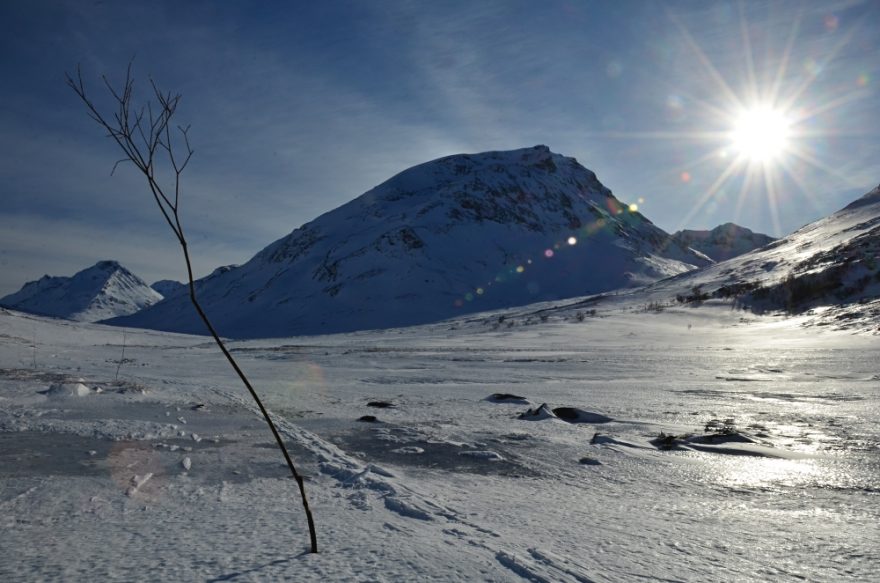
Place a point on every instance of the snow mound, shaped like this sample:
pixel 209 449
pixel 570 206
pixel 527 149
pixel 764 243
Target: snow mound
pixel 66 390
pixel 567 414
pixel 538 413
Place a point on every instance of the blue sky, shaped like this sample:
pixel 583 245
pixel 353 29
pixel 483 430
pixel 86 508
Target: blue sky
pixel 298 107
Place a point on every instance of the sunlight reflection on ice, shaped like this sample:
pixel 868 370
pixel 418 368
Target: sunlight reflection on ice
pixel 766 473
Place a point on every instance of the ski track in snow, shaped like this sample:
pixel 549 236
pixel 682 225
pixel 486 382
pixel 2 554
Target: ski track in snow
pixel 532 565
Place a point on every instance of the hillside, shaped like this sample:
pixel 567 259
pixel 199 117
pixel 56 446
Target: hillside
pixel 459 234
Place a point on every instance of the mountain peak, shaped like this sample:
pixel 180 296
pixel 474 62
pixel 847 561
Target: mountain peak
pixel 166 287
pixel 724 241
pixel 104 290
pixel 458 234
pixel 107 265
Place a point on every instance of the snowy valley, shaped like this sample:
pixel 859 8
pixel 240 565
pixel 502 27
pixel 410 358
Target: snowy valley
pixel 715 445
pixel 717 423
pixel 321 306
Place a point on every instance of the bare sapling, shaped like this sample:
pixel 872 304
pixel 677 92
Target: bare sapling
pixel 161 151
pixel 121 357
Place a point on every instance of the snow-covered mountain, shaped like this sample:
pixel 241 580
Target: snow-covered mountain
pixel 832 264
pixel 102 291
pixel 167 287
pixel 459 234
pixel 724 241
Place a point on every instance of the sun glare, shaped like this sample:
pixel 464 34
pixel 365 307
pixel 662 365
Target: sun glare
pixel 761 134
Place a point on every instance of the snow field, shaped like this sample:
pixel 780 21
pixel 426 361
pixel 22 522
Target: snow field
pixel 396 499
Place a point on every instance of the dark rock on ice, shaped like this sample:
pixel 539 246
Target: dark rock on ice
pixel 368 419
pixel 673 442
pixel 666 441
pixel 718 438
pixel 574 415
pixel 507 398
pixel 381 404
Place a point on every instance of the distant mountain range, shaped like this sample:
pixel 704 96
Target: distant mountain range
pixel 723 242
pixel 469 233
pixel 102 291
pixel 456 235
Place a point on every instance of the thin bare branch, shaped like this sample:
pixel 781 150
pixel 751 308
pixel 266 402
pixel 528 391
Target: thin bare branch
pixel 117 163
pixel 140 145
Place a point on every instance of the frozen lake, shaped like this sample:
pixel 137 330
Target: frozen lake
pixel 739 448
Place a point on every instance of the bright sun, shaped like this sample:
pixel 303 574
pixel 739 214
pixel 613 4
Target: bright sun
pixel 761 134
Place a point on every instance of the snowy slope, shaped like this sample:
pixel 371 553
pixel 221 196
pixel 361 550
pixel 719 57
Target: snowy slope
pixel 723 242
pixel 102 291
pixel 828 270
pixel 835 260
pixel 460 234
